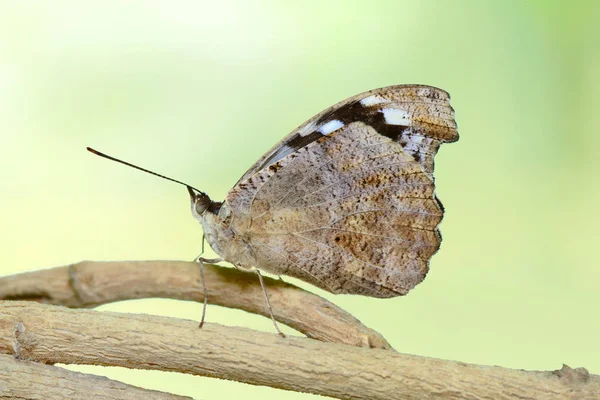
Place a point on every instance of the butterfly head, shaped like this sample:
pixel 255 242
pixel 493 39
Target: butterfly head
pixel 200 202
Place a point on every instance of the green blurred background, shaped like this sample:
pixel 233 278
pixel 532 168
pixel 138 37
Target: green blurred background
pixel 198 90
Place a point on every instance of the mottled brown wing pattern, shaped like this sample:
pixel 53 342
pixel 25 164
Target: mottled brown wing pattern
pixel 351 212
pixel 346 201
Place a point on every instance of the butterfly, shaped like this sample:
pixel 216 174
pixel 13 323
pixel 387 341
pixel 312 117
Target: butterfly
pixel 346 201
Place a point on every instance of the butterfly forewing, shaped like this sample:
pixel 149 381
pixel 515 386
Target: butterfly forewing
pixel 346 201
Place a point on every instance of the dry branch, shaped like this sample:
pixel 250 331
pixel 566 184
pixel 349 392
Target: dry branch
pixel 28 380
pixel 52 334
pixel 89 284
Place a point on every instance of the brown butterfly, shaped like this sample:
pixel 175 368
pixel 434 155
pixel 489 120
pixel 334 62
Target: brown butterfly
pixel 346 201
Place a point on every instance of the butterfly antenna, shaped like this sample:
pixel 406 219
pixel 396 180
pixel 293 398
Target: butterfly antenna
pixel 96 152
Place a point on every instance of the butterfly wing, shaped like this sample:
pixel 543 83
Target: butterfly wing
pixel 417 116
pixel 346 201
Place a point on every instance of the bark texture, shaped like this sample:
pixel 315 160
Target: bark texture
pixel 29 380
pixel 51 334
pixel 89 284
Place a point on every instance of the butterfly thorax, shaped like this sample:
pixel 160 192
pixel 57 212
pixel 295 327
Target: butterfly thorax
pixel 223 239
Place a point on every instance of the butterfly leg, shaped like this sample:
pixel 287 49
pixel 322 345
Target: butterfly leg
pixel 204 291
pixel 202 261
pixel 201 251
pixel 262 285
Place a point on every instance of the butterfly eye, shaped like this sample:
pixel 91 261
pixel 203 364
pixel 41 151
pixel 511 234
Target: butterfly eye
pixel 202 203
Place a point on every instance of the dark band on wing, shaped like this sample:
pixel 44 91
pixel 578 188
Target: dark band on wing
pixel 298 141
pixel 372 116
pixel 347 114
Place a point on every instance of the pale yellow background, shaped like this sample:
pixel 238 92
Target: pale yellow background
pixel 200 89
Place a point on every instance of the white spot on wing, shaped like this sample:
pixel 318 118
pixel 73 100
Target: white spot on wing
pixel 373 100
pixel 330 126
pixel 394 116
